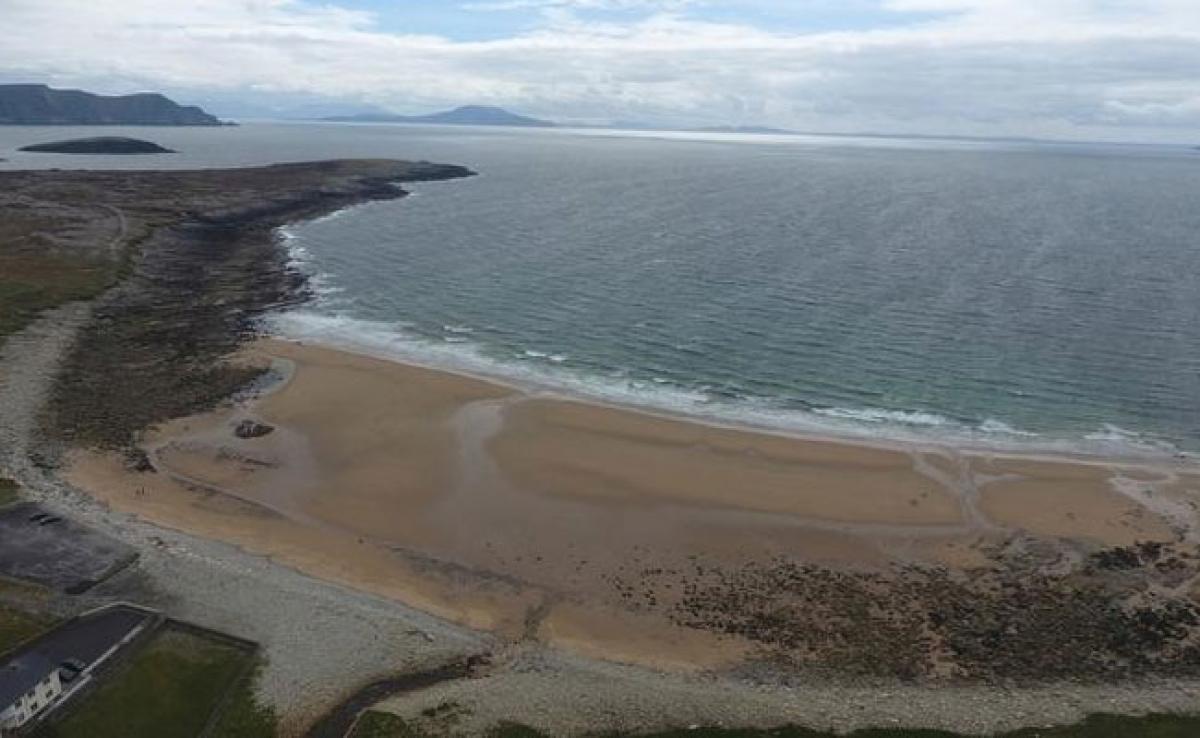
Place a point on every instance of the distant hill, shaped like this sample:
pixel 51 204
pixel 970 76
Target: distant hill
pixel 745 129
pixel 630 125
pixel 41 105
pixel 468 115
pixel 99 145
pixel 268 107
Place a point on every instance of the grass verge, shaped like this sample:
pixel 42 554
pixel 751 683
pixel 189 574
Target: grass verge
pixel 168 690
pixel 18 626
pixel 244 716
pixel 9 492
pixel 32 284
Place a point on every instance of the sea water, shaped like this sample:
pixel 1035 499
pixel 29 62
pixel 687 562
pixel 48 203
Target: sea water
pixel 1007 293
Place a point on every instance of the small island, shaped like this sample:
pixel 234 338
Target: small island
pixel 99 145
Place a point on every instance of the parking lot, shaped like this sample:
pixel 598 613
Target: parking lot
pixel 41 547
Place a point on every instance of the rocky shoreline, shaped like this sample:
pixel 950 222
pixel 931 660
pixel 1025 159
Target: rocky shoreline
pixel 206 267
pixel 1000 624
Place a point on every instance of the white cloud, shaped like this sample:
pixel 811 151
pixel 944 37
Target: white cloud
pixel 1025 67
pixel 650 5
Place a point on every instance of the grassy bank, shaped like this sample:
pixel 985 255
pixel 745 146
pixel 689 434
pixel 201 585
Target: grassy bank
pixel 243 715
pixel 18 626
pixel 30 284
pixel 170 689
pixel 436 725
pixel 8 492
pixel 23 613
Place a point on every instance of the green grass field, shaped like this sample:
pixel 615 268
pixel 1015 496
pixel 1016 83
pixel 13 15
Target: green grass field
pixel 17 626
pixel 8 492
pixel 243 716
pixel 31 284
pixel 380 725
pixel 168 690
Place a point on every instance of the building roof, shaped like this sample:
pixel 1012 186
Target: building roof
pixel 21 674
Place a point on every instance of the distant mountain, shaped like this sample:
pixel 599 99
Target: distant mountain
pixel 744 129
pixel 629 125
pixel 468 115
pixel 264 107
pixel 42 105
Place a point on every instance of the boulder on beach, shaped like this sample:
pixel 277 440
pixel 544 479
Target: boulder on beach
pixel 252 429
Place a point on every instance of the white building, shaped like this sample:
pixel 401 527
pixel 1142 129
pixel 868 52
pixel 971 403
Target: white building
pixel 28 685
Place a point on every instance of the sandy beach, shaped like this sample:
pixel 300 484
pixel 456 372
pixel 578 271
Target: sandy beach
pixel 612 532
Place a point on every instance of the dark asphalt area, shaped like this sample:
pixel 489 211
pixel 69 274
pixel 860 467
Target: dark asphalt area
pixel 40 547
pixel 337 722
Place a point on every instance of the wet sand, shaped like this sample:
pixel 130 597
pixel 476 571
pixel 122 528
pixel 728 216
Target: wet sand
pixel 590 527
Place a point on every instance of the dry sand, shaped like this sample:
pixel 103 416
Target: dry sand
pixel 528 515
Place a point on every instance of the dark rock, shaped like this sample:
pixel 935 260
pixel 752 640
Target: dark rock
pixel 252 429
pixel 1128 557
pixel 925 624
pixel 139 461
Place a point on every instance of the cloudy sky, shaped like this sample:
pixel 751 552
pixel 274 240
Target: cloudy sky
pixel 1111 69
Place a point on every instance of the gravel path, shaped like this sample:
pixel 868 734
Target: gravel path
pixel 564 695
pixel 28 363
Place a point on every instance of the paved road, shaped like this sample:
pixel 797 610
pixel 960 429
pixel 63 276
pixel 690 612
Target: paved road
pixel 338 721
pixel 91 636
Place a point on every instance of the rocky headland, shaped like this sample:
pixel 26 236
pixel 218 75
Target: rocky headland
pixel 39 105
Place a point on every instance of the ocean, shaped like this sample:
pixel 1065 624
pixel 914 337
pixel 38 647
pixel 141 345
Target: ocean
pixel 1010 294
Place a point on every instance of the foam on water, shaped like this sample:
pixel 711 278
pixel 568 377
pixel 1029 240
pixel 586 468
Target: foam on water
pixel 459 354
pixel 991 425
pixel 911 295
pixel 897 417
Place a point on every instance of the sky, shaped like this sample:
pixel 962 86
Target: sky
pixel 1076 69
